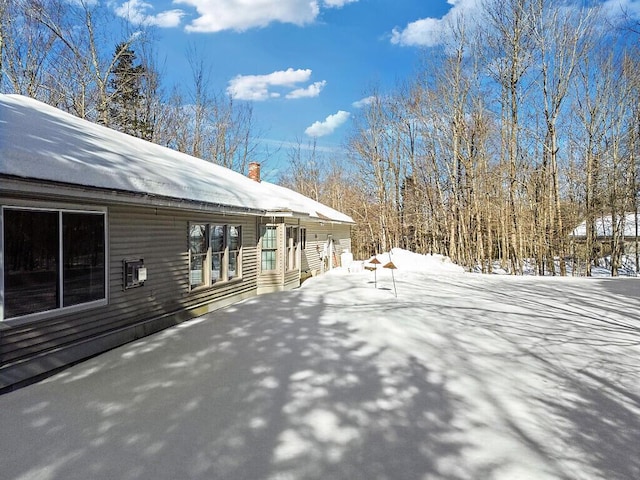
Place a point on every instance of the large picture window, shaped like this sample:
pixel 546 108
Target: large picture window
pixel 52 259
pixel 215 253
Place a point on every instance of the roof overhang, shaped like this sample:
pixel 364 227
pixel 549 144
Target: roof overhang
pixel 317 218
pixel 47 190
pixel 281 213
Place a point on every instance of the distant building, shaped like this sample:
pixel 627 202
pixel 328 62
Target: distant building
pixel 620 256
pixel 107 238
pixel 604 227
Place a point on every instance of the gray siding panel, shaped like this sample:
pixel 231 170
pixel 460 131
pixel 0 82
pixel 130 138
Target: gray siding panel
pixel 317 236
pixel 161 239
pixel 291 279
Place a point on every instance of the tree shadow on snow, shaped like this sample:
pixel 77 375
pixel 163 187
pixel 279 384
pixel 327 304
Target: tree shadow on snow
pixel 601 421
pixel 265 389
pixel 588 348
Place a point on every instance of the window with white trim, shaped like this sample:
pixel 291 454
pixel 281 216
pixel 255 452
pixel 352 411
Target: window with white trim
pixel 235 248
pixel 215 253
pixel 198 251
pixel 303 238
pixel 53 259
pixel 269 250
pixel 218 248
pixel 292 248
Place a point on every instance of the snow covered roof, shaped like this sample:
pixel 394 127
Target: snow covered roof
pixel 292 199
pixel 40 142
pixel 604 226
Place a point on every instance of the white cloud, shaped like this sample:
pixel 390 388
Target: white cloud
pixel 240 15
pixel 329 125
pixel 311 91
pixel 263 87
pixel 135 11
pixel 618 10
pixel 337 3
pixel 363 102
pixel 429 32
pixel 167 19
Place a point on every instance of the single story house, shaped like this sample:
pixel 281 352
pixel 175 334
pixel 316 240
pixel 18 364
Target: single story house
pixel 107 238
pixel 603 226
pixel 619 254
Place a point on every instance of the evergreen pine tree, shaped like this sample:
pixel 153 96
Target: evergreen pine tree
pixel 127 100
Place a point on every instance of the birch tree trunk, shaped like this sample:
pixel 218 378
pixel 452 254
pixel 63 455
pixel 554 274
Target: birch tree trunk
pixel 563 40
pixel 509 44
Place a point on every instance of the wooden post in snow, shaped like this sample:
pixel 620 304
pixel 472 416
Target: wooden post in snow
pixel 392 267
pixel 375 262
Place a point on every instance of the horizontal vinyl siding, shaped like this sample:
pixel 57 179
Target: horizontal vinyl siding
pixel 311 255
pixel 292 279
pixel 125 307
pixel 161 239
pixel 317 235
pixel 342 237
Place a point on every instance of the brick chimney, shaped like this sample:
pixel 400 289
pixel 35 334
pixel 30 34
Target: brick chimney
pixel 254 171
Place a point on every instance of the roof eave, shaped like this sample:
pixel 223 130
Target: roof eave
pixel 18 186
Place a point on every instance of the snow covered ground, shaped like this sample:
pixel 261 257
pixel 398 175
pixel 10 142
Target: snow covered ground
pixel 462 376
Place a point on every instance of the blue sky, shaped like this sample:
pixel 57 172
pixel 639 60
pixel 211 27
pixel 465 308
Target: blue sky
pixel 304 64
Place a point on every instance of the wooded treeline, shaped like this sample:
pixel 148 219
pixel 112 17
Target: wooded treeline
pixel 523 124
pixel 512 134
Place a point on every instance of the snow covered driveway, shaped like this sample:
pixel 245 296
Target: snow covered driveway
pixel 461 376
